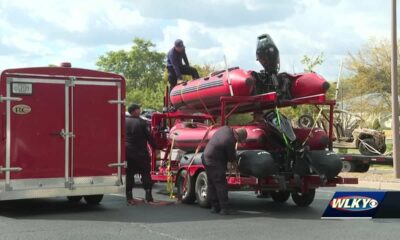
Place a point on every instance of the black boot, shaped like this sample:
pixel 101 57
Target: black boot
pixel 215 209
pixel 149 196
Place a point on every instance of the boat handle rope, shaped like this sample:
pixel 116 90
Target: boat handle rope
pixel 170 182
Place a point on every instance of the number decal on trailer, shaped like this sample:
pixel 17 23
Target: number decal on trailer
pixel 22 88
pixel 21 109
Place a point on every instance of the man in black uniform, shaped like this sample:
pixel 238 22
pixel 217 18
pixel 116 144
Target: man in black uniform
pixel 174 64
pixel 220 150
pixel 137 155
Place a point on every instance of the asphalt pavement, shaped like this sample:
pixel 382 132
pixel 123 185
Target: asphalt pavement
pixel 259 219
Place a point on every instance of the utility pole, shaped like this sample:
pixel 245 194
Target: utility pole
pixel 395 98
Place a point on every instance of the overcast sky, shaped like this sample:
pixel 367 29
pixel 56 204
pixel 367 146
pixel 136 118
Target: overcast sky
pixel 38 32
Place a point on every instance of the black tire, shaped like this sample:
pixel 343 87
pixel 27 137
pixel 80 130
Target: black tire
pixel 348 166
pixel 305 121
pixel 93 199
pixel 280 196
pixel 303 199
pixel 188 196
pixel 74 199
pixel 201 190
pixel 365 151
pixel 363 167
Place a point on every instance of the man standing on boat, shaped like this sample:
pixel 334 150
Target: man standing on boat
pixel 175 66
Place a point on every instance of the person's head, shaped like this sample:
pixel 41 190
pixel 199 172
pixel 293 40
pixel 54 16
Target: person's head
pixel 134 110
pixel 258 115
pixel 240 134
pixel 179 45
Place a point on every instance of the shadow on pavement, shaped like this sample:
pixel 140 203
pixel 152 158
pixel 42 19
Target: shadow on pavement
pixel 114 209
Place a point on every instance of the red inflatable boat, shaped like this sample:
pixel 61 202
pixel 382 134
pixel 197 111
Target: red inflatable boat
pixel 203 94
pixel 189 135
pixel 307 84
pixel 206 92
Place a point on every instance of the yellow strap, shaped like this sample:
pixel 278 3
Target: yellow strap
pixel 170 179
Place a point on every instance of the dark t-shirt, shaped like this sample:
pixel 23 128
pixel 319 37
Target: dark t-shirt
pixel 174 61
pixel 221 148
pixel 137 136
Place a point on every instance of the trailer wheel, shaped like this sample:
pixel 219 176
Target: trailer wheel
pixel 93 199
pixel 201 190
pixel 187 196
pixel 303 199
pixel 348 166
pixel 363 167
pixel 280 196
pixel 74 199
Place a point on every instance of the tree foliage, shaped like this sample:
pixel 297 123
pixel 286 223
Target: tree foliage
pixel 370 74
pixel 142 65
pixel 311 62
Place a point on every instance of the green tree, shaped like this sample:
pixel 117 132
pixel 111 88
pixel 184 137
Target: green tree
pixel 311 62
pixel 142 65
pixel 143 68
pixel 370 73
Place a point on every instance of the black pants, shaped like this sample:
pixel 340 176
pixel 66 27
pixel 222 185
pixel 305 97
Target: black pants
pixel 185 70
pixel 139 165
pixel 217 190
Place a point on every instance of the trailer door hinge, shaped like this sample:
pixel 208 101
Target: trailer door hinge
pixel 66 134
pixel 4 99
pixel 10 169
pixel 71 81
pixel 116 102
pixel 123 164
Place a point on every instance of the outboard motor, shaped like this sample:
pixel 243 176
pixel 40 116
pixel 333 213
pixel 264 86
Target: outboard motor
pixel 268 55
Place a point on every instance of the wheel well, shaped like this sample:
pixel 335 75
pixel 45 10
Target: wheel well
pixel 198 171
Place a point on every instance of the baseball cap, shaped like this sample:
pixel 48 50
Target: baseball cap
pixel 179 43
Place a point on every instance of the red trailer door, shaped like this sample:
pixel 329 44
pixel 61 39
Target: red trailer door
pixel 34 141
pixel 96 123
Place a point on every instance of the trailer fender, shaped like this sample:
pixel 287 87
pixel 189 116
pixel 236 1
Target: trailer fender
pixel 195 170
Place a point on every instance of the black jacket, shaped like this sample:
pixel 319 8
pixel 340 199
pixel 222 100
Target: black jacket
pixel 221 148
pixel 174 61
pixel 137 136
